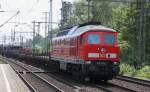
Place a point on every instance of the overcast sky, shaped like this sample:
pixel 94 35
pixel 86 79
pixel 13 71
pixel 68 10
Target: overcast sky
pixel 29 10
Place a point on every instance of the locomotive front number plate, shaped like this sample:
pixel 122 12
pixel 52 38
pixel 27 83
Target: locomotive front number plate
pixel 103 55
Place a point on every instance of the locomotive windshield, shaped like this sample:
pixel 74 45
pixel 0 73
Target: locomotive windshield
pixel 109 39
pixel 94 39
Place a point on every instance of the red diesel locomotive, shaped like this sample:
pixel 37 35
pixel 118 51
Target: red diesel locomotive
pixel 87 51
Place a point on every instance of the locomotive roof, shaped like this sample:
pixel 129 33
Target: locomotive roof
pixel 80 29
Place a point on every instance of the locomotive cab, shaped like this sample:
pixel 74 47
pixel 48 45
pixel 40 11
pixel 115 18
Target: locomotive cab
pixel 100 51
pixel 101 45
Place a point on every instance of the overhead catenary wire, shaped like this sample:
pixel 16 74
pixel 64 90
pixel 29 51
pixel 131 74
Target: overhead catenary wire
pixel 9 19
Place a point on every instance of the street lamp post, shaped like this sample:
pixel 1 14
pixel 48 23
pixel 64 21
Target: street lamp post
pixel 88 9
pixel 50 28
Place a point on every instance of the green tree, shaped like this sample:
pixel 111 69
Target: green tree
pixel 126 20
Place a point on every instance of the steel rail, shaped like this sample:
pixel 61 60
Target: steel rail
pixel 24 80
pixel 51 75
pixel 54 76
pixel 101 87
pixel 27 83
pixel 134 80
pixel 63 81
pixel 44 80
pixel 114 86
pixel 124 88
pixel 109 87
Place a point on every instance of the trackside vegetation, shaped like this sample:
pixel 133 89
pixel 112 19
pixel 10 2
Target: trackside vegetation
pixel 129 70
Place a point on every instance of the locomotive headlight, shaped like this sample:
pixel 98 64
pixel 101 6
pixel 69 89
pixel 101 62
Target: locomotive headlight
pixel 115 63
pixel 88 62
pixel 111 55
pixel 93 55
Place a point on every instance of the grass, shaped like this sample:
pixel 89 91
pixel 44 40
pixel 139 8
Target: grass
pixel 144 72
pixel 126 69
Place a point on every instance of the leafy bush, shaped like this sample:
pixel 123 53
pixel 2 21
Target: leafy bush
pixel 144 72
pixel 127 69
pixel 131 71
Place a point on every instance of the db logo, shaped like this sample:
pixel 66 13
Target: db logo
pixel 103 50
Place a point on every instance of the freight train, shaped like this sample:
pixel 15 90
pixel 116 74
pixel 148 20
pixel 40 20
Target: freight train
pixel 87 51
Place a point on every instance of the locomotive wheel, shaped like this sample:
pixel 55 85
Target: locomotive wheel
pixel 79 77
pixel 76 75
pixel 105 80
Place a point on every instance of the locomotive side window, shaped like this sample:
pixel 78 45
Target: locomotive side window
pixel 94 39
pixel 83 40
pixel 109 39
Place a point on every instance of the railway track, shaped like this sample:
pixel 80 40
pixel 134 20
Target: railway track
pixel 135 80
pixel 35 82
pixel 139 85
pixel 110 87
pixel 50 76
pixel 28 69
pixel 72 86
pixel 106 87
